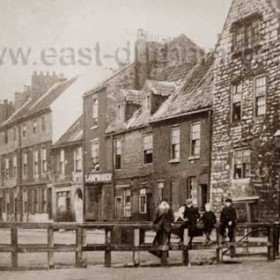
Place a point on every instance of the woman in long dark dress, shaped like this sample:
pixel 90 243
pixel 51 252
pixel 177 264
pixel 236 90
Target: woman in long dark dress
pixel 164 218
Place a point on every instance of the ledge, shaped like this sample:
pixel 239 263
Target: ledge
pixel 175 160
pixel 194 158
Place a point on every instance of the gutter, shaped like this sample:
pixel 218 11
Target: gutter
pixel 182 115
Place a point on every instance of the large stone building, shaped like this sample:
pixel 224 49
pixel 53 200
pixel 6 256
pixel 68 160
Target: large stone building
pixel 246 110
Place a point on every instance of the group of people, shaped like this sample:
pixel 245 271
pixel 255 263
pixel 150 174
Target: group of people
pixel 190 217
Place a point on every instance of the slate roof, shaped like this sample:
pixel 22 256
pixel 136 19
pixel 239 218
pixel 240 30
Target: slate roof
pixel 194 95
pixel 132 96
pixel 141 118
pixel 73 134
pixel 35 105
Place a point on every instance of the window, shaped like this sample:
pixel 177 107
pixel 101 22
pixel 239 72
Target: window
pixel 43 123
pixel 246 35
pixel 36 162
pixel 44 200
pixel 236 101
pixel 78 159
pixel 160 186
pixel 242 164
pixel 25 164
pixel 14 166
pixel 7 168
pixel 192 189
pixel 118 154
pixel 260 96
pixel 95 155
pixel 15 133
pixel 35 126
pixel 63 201
pixel 147 103
pixel 148 149
pixel 175 143
pixel 44 163
pixel 195 139
pixel 24 131
pixel 143 202
pixel 62 162
pixel 95 111
pixel 6 137
pixel 127 203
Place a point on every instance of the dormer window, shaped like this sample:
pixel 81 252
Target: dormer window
pixel 147 103
pixel 246 33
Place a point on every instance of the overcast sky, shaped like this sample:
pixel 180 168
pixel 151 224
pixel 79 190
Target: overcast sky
pixel 35 26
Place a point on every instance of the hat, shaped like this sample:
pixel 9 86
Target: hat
pixel 189 201
pixel 229 200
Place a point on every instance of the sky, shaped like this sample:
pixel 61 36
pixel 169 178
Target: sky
pixel 77 37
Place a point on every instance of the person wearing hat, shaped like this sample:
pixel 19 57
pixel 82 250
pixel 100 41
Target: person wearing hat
pixel 228 221
pixel 191 216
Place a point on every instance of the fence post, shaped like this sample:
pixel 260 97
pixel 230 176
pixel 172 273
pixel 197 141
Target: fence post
pixel 108 258
pixel 50 247
pixel 185 255
pixel 14 241
pixel 136 253
pixel 79 247
pixel 219 251
pixel 276 238
pixel 270 247
pixel 164 257
pixel 232 246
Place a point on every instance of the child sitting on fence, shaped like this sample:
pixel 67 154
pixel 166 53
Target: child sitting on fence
pixel 209 220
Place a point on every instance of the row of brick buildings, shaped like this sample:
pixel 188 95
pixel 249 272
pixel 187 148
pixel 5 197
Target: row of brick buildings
pixel 175 124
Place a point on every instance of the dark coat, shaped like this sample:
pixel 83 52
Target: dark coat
pixel 163 221
pixel 228 214
pixel 209 220
pixel 191 214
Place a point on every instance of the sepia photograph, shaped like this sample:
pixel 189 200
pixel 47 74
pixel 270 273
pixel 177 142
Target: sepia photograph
pixel 139 139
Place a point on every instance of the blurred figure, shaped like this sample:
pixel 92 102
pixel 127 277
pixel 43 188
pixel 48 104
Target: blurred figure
pixel 228 221
pixel 164 218
pixel 209 220
pixel 191 216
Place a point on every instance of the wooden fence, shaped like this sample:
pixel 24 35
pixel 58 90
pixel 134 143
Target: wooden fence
pixel 271 231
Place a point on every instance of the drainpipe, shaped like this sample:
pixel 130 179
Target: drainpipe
pixel 113 177
pixel 210 152
pixel 19 170
pixel 84 161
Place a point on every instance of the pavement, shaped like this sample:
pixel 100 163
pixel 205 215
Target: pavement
pixel 257 270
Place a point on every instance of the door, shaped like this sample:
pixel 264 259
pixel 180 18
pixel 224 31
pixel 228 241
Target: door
pixel 204 196
pixel 118 207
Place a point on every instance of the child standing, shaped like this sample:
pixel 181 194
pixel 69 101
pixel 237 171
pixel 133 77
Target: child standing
pixel 209 220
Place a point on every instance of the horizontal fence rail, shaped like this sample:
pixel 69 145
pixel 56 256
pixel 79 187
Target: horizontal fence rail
pixel 270 230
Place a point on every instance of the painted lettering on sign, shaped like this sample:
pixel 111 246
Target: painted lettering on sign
pixel 98 177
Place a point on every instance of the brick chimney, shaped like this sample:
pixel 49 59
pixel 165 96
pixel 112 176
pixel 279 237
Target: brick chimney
pixel 6 110
pixel 141 60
